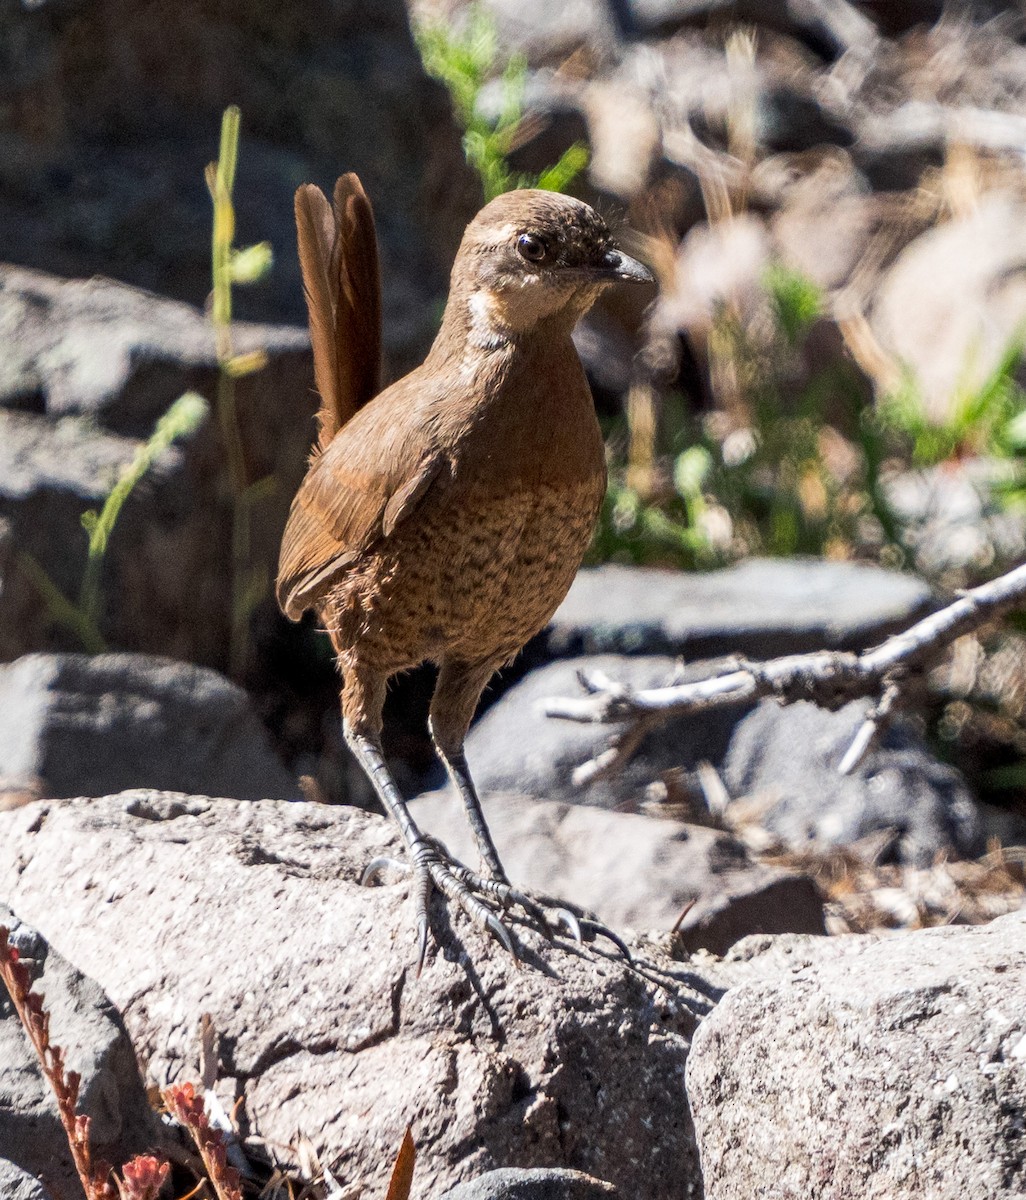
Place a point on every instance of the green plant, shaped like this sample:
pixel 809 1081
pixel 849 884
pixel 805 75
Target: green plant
pixel 231 266
pixel 988 418
pixel 465 59
pixel 769 472
pixel 83 616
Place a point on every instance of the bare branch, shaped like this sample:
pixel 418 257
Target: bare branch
pixel 828 678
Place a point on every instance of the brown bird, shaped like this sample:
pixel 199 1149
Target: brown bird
pixel 444 519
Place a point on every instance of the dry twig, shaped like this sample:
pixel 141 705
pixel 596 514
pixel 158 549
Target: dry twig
pixel 829 678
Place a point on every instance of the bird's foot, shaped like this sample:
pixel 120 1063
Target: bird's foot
pixel 435 867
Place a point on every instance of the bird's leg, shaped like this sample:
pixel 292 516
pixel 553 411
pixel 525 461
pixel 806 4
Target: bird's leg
pixel 363 698
pixel 457 692
pixel 456 696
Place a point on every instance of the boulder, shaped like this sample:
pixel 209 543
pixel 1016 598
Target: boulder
pixel 761 608
pixel 871 1068
pixel 72 725
pixel 93 366
pixel 515 748
pixel 181 906
pixel 784 759
pixel 33 1147
pixel 634 871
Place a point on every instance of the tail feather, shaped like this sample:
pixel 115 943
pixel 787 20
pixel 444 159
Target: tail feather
pixel 358 316
pixel 338 258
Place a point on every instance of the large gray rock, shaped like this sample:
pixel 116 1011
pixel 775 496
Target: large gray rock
pixel 16 1184
pixel 33 1146
pixel 870 1068
pixel 251 912
pixel 91 368
pixel 97 348
pixel 72 725
pixel 786 760
pixel 786 757
pixel 515 748
pixel 761 607
pixel 634 871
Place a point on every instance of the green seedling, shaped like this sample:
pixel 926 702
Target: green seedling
pixel 231 267
pixel 465 59
pixel 83 616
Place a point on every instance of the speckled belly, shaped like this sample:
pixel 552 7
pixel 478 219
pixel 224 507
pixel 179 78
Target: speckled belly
pixel 470 576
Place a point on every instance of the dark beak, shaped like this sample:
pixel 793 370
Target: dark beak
pixel 618 265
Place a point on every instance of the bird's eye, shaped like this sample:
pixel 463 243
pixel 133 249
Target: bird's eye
pixel 530 247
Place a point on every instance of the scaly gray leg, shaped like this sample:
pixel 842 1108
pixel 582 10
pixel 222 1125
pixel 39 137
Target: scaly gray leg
pixel 431 863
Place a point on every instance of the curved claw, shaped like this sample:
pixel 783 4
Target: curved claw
pixel 569 921
pixel 373 871
pixel 502 933
pixel 594 929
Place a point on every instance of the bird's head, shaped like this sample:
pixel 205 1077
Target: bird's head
pixel 530 257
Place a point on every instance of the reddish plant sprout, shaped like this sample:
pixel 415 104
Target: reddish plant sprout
pixel 142 1177
pixel 186 1106
pixel 98 1179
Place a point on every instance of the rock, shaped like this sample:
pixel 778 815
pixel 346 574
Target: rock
pixel 574 1060
pixel 781 761
pixel 97 348
pixel 761 607
pixel 96 363
pixel 954 302
pixel 624 136
pixel 893 1067
pixel 515 748
pixel 716 265
pixel 825 218
pixel 84 1023
pixel 785 761
pixel 107 126
pixel 633 871
pixel 87 726
pixel 16 1184
pixel 539 1183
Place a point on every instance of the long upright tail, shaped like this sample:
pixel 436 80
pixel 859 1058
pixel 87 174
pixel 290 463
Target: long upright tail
pixel 338 256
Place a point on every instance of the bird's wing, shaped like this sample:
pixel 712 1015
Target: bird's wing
pixel 375 473
pixel 338 257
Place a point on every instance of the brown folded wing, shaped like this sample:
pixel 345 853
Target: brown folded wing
pixel 354 495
